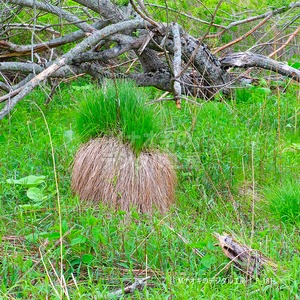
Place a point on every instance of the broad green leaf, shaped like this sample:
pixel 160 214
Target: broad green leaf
pixel 64 226
pixel 53 236
pixel 208 260
pixel 199 245
pixel 87 258
pixel 78 240
pixel 28 181
pixel 32 237
pixel 99 236
pixel 135 215
pixel 210 245
pixel 35 194
pixel 75 262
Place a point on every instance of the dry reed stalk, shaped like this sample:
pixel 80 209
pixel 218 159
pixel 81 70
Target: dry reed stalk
pixel 108 171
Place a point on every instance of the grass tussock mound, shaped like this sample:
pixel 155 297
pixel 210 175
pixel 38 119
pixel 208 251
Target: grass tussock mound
pixel 119 164
pixel 119 110
pixel 108 171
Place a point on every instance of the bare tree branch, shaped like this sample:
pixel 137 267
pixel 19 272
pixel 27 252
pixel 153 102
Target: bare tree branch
pixel 185 15
pixel 4 87
pixel 56 11
pixel 105 8
pixel 20 26
pixel 20 50
pixel 204 61
pixel 65 59
pixel 293 35
pixel 267 15
pixel 177 63
pixel 248 59
pixel 143 15
pixel 243 36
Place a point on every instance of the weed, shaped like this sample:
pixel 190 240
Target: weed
pixel 284 201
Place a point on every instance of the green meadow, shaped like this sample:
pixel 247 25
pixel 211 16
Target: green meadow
pixel 238 172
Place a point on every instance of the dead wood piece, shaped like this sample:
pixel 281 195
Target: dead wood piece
pixel 177 64
pixel 137 285
pixel 249 59
pixel 249 261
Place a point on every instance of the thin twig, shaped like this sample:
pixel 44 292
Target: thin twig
pixel 286 43
pixel 243 36
pixel 143 15
pixel 254 18
pixel 186 15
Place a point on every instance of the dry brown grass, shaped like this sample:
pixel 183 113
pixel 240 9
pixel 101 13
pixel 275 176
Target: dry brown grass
pixel 108 171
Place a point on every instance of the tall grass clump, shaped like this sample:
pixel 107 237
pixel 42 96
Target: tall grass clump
pixel 119 110
pixel 120 164
pixel 284 201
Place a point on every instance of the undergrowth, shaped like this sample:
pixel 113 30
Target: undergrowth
pixel 228 155
pixel 284 201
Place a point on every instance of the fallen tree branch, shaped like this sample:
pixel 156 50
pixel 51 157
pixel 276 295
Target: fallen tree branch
pixel 125 44
pixel 66 58
pixel 4 87
pixel 105 8
pixel 27 26
pixel 27 67
pixel 54 9
pixel 249 59
pixel 15 50
pixel 200 57
pixel 143 15
pixel 249 261
pixel 185 15
pixel 176 64
pixel 164 56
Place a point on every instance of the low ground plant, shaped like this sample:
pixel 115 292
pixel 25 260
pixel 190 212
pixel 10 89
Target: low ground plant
pixel 229 154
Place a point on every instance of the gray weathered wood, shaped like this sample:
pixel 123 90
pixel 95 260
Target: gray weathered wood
pixel 249 59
